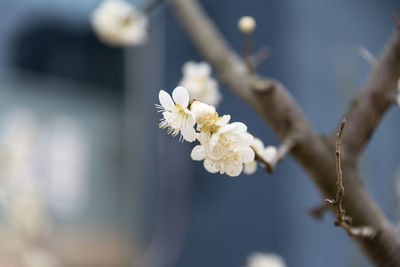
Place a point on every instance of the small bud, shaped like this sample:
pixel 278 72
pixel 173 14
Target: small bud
pixel 246 24
pixel 201 111
pixel 269 153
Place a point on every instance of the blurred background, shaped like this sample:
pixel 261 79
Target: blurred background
pixel 88 179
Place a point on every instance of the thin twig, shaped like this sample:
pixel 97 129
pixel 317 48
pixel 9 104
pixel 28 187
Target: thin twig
pixel 319 211
pixel 260 56
pixel 366 55
pixel 396 20
pixel 341 219
pixel 248 51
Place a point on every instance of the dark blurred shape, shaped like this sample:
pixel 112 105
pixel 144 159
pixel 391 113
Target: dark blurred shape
pixel 49 45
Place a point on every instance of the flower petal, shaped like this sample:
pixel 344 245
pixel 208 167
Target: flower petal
pixel 223 120
pixel 204 138
pixel 209 166
pixel 250 167
pixel 247 154
pixel 234 169
pixel 269 153
pixel 257 145
pixel 181 96
pixel 203 69
pixel 198 153
pixel 189 134
pixel 238 127
pixel 166 100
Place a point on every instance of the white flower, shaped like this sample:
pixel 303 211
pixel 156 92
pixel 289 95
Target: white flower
pixel 177 117
pixel 250 167
pixel 226 150
pixel 268 154
pixel 246 24
pixel 118 23
pixel 207 118
pixel 259 259
pixel 258 147
pixel 198 81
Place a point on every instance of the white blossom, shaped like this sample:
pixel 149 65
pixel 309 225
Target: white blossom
pixel 266 153
pixel 177 116
pixel 258 147
pixel 246 24
pixel 259 259
pixel 226 150
pixel 118 23
pixel 207 118
pixel 198 81
pixel 269 153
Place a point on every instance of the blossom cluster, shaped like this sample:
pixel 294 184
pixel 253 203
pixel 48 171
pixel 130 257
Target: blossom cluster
pixel 119 23
pixel 198 81
pixel 224 147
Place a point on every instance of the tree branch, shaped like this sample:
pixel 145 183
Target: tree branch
pixel 372 103
pixel 277 107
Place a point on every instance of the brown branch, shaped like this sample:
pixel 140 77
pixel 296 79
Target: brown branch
pixel 341 219
pixel 372 103
pixel 396 20
pixel 319 211
pixel 276 106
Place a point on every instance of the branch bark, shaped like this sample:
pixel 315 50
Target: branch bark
pixel 314 153
pixel 372 103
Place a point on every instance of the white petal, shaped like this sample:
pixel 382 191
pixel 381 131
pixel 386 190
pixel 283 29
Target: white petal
pixel 247 138
pixel 198 153
pixel 250 167
pixel 166 100
pixel 189 134
pixel 223 120
pixel 226 128
pixel 215 138
pixel 201 111
pixel 204 138
pixel 190 121
pixel 181 96
pixel 269 153
pixel 189 68
pixel 239 127
pixel 234 170
pixel 209 166
pixel 204 69
pixel 257 145
pixel 247 154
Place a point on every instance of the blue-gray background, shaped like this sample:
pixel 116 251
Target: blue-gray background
pixel 180 214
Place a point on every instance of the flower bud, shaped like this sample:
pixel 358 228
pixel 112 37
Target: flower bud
pixel 246 24
pixel 201 111
pixel 269 153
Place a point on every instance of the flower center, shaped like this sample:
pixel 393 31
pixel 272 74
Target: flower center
pixel 227 148
pixel 209 125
